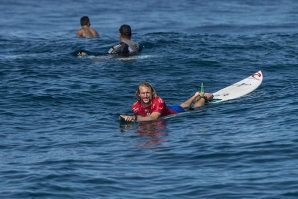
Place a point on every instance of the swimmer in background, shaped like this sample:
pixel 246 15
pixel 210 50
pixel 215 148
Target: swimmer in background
pixel 86 31
pixel 126 45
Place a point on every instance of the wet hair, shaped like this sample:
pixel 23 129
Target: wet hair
pixel 84 21
pixel 125 31
pixel 146 84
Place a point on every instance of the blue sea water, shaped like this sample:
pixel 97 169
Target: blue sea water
pixel 59 128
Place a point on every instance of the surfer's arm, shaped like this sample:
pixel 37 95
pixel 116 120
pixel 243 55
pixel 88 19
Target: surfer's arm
pixel 153 116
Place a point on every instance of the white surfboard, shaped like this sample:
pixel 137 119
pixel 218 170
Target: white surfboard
pixel 238 89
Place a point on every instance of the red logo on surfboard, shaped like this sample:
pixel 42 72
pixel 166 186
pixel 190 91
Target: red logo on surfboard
pixel 257 74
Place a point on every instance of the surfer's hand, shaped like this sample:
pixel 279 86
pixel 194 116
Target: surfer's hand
pixel 128 118
pixel 82 53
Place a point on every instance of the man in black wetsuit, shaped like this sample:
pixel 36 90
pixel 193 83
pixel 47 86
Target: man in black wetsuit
pixel 126 47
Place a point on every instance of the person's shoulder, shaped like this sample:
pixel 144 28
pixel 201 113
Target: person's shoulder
pixel 94 32
pixel 137 103
pixel 80 33
pixel 120 48
pixel 114 48
pixel 137 46
pixel 130 42
pixel 158 99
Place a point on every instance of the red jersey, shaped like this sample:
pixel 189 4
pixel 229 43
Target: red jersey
pixel 157 105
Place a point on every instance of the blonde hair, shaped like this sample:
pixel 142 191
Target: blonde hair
pixel 146 84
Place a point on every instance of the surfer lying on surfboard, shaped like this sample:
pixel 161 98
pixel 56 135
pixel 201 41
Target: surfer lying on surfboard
pixel 150 106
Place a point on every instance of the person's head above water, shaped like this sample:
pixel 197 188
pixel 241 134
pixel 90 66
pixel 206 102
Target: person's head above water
pixel 152 93
pixel 125 31
pixel 85 21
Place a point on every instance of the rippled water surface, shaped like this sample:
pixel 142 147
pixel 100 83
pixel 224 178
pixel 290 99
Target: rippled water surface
pixel 60 134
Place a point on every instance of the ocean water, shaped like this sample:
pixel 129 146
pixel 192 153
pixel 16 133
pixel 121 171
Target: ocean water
pixel 59 128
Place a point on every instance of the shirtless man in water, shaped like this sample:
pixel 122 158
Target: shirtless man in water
pixel 150 106
pixel 86 31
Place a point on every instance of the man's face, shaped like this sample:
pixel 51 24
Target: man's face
pixel 145 95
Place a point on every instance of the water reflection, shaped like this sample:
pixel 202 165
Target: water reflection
pixel 155 130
